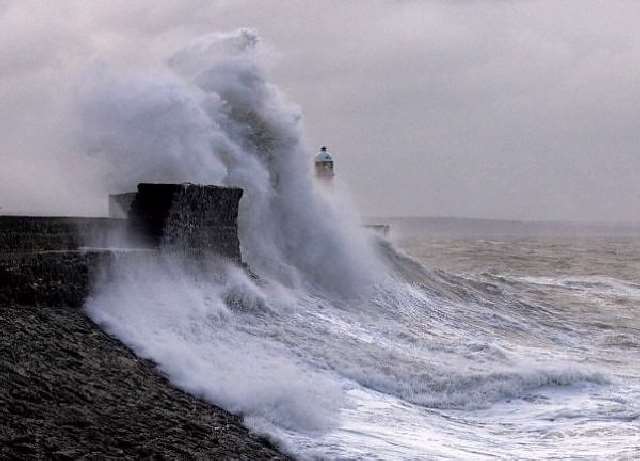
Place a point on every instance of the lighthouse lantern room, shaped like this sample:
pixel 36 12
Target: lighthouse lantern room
pixel 324 165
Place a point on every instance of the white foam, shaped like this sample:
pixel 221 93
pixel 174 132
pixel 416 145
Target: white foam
pixel 330 329
pixel 187 328
pixel 211 116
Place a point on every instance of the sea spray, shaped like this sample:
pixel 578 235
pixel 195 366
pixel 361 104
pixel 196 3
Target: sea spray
pixel 201 329
pixel 210 116
pixel 333 321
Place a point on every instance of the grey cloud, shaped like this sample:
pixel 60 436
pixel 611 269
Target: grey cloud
pixel 510 109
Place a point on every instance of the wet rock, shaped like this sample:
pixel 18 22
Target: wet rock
pixel 70 391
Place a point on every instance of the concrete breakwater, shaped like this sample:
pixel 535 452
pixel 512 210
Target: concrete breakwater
pixel 51 260
pixel 70 391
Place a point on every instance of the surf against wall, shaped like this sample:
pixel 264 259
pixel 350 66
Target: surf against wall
pixel 340 346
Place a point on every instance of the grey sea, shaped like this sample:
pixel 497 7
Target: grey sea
pixel 563 294
pixel 451 339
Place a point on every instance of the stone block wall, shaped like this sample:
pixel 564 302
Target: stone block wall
pixel 51 260
pixel 40 233
pixel 189 217
pixel 46 278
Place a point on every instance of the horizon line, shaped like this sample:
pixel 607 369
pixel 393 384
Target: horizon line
pixel 512 220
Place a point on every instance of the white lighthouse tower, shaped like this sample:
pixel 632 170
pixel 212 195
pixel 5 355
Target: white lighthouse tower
pixel 324 166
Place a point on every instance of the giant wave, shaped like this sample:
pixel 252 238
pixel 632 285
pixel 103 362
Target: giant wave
pixel 334 313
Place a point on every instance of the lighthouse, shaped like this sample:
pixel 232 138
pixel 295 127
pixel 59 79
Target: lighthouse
pixel 324 166
pixel 323 163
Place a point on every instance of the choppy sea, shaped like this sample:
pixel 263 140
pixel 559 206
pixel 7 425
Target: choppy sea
pixel 485 340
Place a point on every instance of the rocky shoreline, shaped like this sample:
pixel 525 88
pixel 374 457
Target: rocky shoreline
pixel 70 391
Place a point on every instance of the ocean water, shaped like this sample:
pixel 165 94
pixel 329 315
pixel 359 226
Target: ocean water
pixel 475 345
pixel 456 339
pixel 558 295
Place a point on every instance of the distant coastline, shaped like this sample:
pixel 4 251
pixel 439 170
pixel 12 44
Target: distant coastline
pixel 466 226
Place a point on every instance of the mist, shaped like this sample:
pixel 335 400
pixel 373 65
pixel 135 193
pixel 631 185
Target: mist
pixel 519 110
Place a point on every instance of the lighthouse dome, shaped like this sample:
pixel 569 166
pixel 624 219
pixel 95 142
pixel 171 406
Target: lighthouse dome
pixel 324 155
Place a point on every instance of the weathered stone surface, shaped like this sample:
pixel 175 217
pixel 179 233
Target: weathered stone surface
pixel 56 277
pixel 189 216
pixel 41 279
pixel 197 218
pixel 52 260
pixel 69 391
pixel 38 233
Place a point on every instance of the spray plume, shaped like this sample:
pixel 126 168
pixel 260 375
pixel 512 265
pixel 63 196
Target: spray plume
pixel 211 116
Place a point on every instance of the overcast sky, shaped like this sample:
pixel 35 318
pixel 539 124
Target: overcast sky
pixel 499 109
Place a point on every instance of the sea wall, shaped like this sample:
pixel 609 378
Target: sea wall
pixel 40 233
pixel 70 391
pixel 193 218
pixel 51 261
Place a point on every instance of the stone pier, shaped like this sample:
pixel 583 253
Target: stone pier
pixel 50 260
pixel 68 390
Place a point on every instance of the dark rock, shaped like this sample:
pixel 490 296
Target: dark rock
pixel 109 405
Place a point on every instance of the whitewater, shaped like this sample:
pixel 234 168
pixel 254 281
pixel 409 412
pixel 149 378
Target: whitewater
pixel 339 344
